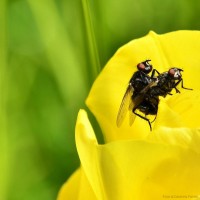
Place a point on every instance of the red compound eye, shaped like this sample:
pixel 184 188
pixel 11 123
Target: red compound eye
pixel 171 72
pixel 141 67
pixel 145 67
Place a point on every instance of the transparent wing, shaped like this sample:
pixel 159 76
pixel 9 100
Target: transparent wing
pixel 125 105
pixel 131 117
pixel 131 114
pixel 129 105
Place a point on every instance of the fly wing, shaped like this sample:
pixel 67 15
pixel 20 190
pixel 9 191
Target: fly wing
pixel 131 118
pixel 125 105
pixel 131 114
pixel 129 104
pixel 140 97
pixel 137 100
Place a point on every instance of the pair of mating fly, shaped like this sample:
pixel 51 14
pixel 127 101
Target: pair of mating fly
pixel 143 91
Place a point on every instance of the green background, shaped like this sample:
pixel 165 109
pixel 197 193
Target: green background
pixel 50 53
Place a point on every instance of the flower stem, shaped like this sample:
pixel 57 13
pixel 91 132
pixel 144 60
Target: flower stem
pixel 92 45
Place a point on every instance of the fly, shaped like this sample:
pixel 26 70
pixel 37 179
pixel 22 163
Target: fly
pixel 143 92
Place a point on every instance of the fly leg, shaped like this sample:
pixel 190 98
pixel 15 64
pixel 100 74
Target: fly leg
pixel 154 118
pixel 181 80
pixel 169 93
pixel 184 87
pixel 177 91
pixel 153 73
pixel 146 119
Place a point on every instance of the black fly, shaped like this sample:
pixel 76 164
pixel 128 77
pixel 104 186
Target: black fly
pixel 135 96
pixel 167 81
pixel 143 91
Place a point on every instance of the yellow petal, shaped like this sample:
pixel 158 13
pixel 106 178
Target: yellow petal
pixel 76 188
pixel 186 105
pixel 180 49
pixel 84 132
pixel 139 169
pixel 70 188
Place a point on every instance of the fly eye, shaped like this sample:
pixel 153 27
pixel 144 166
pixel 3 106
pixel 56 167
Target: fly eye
pixel 175 73
pixel 141 67
pixel 145 67
pixel 171 72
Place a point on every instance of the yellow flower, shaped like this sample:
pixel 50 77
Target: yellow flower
pixel 180 49
pixel 136 164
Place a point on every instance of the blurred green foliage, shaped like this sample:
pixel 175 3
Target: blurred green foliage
pixel 50 53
